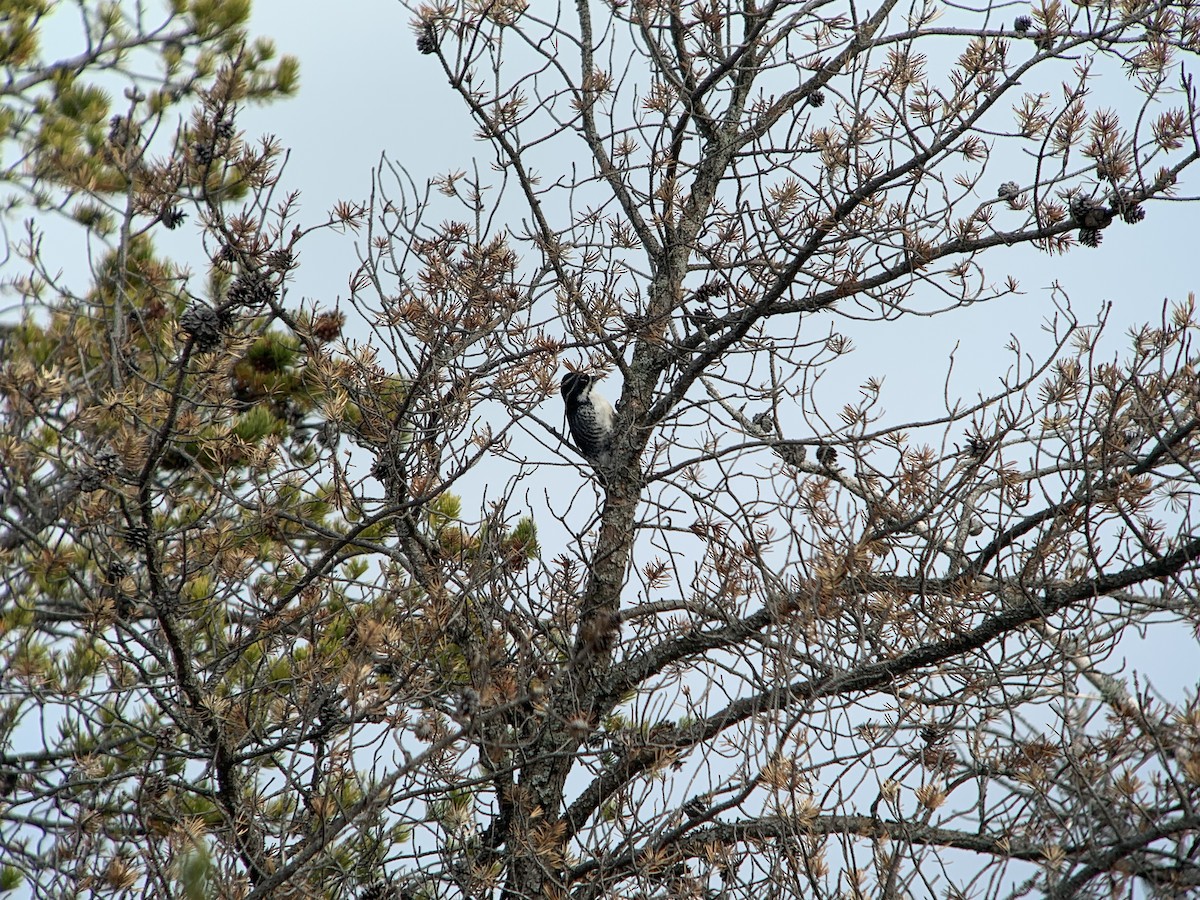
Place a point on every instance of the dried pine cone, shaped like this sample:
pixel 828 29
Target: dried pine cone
pixel 379 890
pixel 328 326
pixel 202 324
pixel 106 462
pixel 426 729
pixel 137 537
pixel 388 470
pixel 121 133
pixel 1010 190
pixel 977 446
pixel 826 456
pixel 280 260
pixel 251 288
pixel 1126 206
pixel 933 735
pixel 203 153
pixel 172 216
pixel 225 257
pixel 792 454
pixel 468 703
pixel 764 422
pixel 117 133
pixel 1090 237
pixel 1023 24
pixel 816 98
pixel 699 319
pixel 707 291
pixel 1090 214
pixel 90 481
pixel 1132 213
pixel 223 129
pixel 427 39
pixel 102 468
pixel 10 780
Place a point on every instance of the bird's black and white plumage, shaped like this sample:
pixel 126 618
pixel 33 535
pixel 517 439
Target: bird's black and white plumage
pixel 589 416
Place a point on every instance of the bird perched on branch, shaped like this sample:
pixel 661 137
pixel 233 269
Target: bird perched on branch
pixel 589 416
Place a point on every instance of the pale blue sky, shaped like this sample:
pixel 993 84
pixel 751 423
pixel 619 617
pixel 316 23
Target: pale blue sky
pixel 365 90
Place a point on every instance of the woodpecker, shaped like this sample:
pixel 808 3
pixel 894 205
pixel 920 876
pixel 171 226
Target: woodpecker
pixel 589 416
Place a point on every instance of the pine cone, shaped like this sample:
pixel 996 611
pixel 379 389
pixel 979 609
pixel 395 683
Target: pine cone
pixel 378 890
pixel 225 257
pixel 280 260
pixel 1089 214
pixel 202 324
pixel 90 480
pixel 328 326
pixel 203 153
pixel 172 216
pixel 764 422
pixel 251 288
pixel 102 467
pixel 977 447
pixel 707 291
pixel 105 462
pixel 1023 24
pixel 137 537
pixel 699 319
pixel 427 39
pixel 117 133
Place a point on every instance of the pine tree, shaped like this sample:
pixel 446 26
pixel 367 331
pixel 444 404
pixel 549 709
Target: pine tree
pixel 309 598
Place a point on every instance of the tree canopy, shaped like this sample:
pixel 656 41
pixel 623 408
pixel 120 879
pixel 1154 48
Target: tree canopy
pixel 314 598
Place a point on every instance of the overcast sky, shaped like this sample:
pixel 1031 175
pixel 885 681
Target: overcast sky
pixel 365 91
